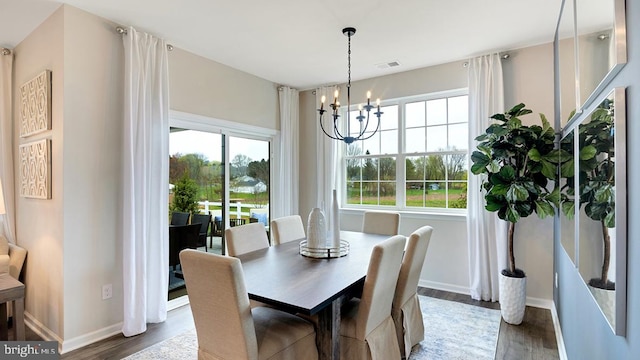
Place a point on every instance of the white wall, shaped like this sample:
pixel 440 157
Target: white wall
pixel 204 87
pixel 39 226
pixel 528 78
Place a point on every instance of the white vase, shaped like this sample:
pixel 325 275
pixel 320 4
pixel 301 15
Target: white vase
pixel 334 240
pixel 606 300
pixel 513 297
pixel 316 229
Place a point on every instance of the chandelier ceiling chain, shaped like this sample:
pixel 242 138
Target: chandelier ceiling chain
pixel 335 106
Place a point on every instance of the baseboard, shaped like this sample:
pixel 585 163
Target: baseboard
pixel 71 344
pixel 40 329
pixel 177 302
pixel 539 303
pixel 444 287
pixel 562 351
pixel 90 338
pixel 531 301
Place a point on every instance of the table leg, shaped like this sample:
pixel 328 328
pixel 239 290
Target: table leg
pixel 328 335
pixel 4 327
pixel 18 318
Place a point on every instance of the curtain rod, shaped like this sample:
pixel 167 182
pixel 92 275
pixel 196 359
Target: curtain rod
pixel 5 51
pixel 122 31
pixel 503 56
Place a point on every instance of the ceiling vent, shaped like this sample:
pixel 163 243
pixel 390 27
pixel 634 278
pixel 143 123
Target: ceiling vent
pixel 387 65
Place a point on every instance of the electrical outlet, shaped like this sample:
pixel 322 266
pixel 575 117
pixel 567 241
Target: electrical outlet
pixel 556 281
pixel 107 291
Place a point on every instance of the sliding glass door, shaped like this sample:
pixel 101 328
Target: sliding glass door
pixel 224 175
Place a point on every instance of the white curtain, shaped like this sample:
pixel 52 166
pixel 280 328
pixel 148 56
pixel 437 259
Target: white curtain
pixel 286 202
pixel 486 233
pixel 327 157
pixel 7 221
pixel 146 182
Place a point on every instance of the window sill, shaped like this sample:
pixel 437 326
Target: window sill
pixel 443 216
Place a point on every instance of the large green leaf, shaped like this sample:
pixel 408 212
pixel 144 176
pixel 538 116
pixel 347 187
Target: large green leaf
pixel 569 209
pixel 604 193
pixel 548 169
pixel 511 215
pixel 567 169
pixel 610 220
pixel 534 155
pixel 517 192
pixel 544 209
pixel 508 173
pixel 554 196
pixel 588 152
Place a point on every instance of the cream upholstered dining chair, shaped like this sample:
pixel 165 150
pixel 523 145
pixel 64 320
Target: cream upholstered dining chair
pixel 405 309
pixel 227 327
pixel 287 228
pixel 246 238
pixel 367 330
pixel 381 222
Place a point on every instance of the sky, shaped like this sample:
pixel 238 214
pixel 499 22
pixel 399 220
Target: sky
pixel 209 144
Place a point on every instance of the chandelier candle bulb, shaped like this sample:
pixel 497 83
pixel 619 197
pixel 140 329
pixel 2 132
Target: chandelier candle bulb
pixel 322 102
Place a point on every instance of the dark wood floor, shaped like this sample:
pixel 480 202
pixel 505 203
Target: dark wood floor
pixel 533 339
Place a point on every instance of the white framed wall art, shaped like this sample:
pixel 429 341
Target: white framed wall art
pixel 35 105
pixel 35 169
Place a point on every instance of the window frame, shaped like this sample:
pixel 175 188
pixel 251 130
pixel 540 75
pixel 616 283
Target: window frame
pixel 400 158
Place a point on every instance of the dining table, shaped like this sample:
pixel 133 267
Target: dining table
pixel 283 278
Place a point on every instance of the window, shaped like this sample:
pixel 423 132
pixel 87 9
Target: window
pixel 417 159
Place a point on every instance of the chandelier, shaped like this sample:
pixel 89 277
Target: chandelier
pixel 363 121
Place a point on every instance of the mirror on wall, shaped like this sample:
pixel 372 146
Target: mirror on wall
pixel 566 50
pixel 602 50
pixel 600 213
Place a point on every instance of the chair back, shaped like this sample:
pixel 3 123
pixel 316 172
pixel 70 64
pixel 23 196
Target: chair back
pixel 246 238
pixel 412 262
pixel 379 285
pixel 381 222
pixel 204 221
pixel 179 218
pixel 285 229
pixel 220 305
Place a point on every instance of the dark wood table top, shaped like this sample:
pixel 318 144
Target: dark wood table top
pixel 280 276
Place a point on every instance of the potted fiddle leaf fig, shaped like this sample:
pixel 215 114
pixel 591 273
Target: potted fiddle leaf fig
pixel 596 180
pixel 517 162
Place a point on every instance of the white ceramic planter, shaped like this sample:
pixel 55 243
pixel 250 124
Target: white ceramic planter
pixel 606 299
pixel 316 229
pixel 513 297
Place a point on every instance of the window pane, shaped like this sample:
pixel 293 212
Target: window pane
pixel 458 136
pixel 353 192
pixel 414 168
pixel 370 169
pixel 434 167
pixel 354 167
pixel 389 144
pixel 415 139
pixel 387 193
pixel 415 195
pixel 437 112
pixel 436 138
pixel 354 124
pixel 458 109
pixel 388 121
pixel 370 193
pixel 436 195
pixel 457 166
pixel 414 114
pixel 458 195
pixel 387 168
pixel 371 146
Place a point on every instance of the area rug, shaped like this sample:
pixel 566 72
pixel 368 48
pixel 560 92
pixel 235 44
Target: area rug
pixel 453 331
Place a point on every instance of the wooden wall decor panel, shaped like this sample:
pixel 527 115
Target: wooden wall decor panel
pixel 35 169
pixel 35 105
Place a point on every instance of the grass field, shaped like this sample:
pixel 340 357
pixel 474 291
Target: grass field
pixel 415 197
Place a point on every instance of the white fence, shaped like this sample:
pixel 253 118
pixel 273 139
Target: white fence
pixel 235 208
